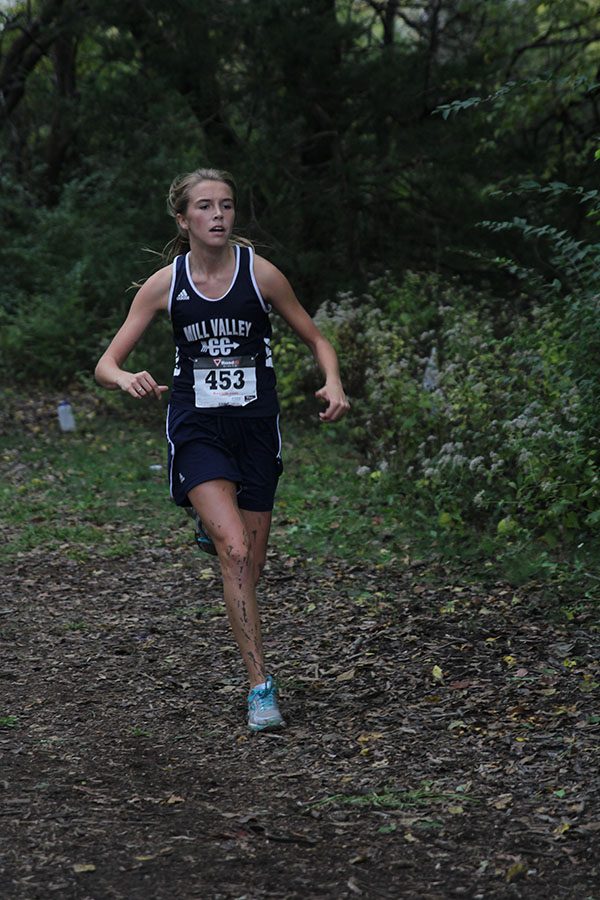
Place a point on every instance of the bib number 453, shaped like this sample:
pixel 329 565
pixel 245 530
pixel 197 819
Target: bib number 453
pixel 224 381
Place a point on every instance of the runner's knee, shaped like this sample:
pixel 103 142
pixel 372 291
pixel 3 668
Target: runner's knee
pixel 235 555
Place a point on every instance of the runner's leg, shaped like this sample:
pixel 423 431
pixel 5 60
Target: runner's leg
pixel 258 526
pixel 216 504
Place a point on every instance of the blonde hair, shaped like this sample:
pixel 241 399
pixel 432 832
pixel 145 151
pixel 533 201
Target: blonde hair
pixel 177 203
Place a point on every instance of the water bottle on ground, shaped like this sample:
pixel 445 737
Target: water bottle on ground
pixel 66 419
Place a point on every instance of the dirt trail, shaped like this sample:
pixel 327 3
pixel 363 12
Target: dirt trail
pixel 441 742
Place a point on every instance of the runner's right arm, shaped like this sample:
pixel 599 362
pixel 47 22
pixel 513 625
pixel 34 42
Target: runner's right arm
pixel 151 298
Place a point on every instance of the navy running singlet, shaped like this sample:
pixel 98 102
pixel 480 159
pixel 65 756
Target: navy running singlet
pixel 223 361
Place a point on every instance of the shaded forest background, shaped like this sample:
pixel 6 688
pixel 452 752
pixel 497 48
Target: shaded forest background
pixel 426 175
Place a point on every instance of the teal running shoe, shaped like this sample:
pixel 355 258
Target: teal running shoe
pixel 203 541
pixel 263 711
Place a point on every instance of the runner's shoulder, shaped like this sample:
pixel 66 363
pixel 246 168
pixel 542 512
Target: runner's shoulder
pixel 270 279
pixel 154 292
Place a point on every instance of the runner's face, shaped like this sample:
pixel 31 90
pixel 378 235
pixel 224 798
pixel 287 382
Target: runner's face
pixel 210 213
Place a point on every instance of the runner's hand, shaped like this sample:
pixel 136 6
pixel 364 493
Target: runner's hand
pixel 140 385
pixel 337 402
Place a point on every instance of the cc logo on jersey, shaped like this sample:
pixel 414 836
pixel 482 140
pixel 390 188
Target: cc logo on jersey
pixel 219 346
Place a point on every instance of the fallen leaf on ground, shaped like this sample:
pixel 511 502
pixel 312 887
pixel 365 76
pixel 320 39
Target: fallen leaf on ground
pixel 514 871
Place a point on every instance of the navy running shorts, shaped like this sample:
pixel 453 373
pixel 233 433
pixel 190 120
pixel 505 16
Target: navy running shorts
pixel 245 450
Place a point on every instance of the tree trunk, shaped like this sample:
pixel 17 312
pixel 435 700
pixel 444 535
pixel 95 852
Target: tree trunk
pixel 63 126
pixel 26 51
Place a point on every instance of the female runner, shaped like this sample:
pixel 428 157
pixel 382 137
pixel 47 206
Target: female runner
pixel 223 417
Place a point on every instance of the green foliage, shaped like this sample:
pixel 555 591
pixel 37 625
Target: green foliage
pixel 426 795
pixel 64 293
pixel 8 721
pixel 345 174
pixel 508 450
pixel 573 295
pixel 382 339
pixel 324 510
pixel 45 341
pixel 344 171
pixel 500 444
pixel 581 334
pixel 295 380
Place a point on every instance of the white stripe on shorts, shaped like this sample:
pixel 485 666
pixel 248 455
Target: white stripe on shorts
pixel 172 449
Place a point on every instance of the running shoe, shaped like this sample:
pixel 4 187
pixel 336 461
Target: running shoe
pixel 203 542
pixel 263 711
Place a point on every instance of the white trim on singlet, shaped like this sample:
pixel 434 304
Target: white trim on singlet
pixel 263 302
pixel 200 294
pixel 172 286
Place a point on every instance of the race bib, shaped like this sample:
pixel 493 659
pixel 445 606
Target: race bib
pixel 224 381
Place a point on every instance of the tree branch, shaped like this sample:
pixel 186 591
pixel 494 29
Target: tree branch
pixel 25 52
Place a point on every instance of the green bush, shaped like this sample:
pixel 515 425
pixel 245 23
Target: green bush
pixel 498 440
pixel 67 269
pixel 296 379
pixel 45 341
pixel 510 451
pixel 581 336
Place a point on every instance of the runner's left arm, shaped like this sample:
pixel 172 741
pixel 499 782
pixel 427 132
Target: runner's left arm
pixel 277 290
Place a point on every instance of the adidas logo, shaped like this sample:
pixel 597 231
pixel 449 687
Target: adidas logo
pixel 181 478
pixel 182 295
